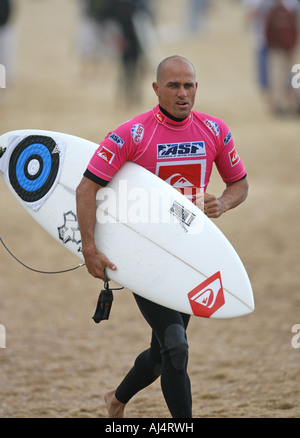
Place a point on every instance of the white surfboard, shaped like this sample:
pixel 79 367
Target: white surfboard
pixel 164 247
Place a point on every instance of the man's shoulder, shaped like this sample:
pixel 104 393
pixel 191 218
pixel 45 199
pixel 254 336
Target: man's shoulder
pixel 204 116
pixel 134 129
pixel 137 125
pixel 142 117
pixel 215 124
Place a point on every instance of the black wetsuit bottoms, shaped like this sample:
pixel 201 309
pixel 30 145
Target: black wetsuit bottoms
pixel 167 357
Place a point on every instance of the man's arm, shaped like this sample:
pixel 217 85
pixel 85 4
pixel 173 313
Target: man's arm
pixel 234 194
pixel 86 213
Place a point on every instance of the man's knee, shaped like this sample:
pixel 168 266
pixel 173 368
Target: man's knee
pixel 176 345
pixel 157 369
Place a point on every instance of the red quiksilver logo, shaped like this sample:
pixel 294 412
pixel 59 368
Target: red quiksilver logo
pixel 206 298
pixel 106 154
pixel 160 117
pixel 234 157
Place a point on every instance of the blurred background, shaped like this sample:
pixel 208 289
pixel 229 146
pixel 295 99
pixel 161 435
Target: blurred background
pixel 83 67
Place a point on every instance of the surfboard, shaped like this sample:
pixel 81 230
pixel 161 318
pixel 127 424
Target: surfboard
pixel 165 248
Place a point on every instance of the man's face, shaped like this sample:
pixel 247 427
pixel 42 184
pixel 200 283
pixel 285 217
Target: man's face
pixel 176 88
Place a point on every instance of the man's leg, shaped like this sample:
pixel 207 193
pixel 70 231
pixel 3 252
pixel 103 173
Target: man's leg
pixel 168 353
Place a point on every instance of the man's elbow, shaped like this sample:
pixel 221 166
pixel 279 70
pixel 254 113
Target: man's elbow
pixel 245 188
pixel 86 189
pixel 79 190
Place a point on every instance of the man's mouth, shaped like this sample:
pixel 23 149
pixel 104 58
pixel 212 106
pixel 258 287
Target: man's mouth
pixel 182 104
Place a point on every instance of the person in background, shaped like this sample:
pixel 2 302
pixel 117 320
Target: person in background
pixel 6 43
pixel 108 31
pixel 282 37
pixel 197 16
pixel 256 12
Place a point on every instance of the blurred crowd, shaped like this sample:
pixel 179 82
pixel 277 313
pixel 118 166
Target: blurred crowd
pixel 125 32
pixel 6 40
pixel 113 29
pixel 275 26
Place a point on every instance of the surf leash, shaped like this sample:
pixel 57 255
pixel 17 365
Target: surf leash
pixel 105 301
pixel 38 270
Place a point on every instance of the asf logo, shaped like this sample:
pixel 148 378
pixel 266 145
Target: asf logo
pixel 179 150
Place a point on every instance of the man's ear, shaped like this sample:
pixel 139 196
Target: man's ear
pixel 155 88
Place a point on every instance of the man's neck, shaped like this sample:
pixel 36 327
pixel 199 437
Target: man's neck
pixel 175 119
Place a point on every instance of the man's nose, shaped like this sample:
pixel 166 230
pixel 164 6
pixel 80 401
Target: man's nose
pixel 182 92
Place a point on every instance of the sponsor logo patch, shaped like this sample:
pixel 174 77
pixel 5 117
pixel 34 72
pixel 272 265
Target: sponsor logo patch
pixel 116 139
pixel 106 154
pixel 183 176
pixel 213 126
pixel 180 150
pixel 208 297
pixel 234 157
pixel 137 132
pixel 227 138
pixel 160 117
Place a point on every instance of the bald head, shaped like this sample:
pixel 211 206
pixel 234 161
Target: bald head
pixel 171 61
pixel 176 86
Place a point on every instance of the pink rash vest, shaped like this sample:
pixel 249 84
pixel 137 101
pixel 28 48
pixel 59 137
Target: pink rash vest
pixel 180 152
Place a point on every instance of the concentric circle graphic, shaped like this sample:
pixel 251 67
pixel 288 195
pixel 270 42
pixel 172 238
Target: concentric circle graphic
pixel 33 167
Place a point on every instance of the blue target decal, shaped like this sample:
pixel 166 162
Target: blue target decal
pixel 33 167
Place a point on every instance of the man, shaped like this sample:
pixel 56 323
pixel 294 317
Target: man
pixel 282 37
pixel 6 43
pixel 169 140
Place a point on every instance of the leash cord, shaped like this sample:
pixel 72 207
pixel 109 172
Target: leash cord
pixel 37 270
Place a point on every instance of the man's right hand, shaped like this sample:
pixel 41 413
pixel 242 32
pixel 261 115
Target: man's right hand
pixel 96 262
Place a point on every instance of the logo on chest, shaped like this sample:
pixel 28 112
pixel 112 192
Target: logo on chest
pixel 185 176
pixel 180 150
